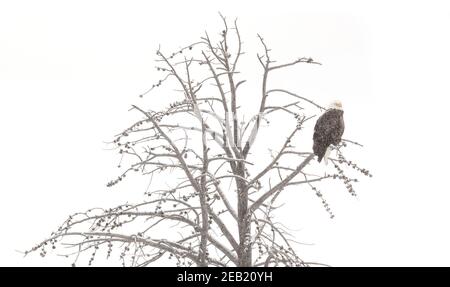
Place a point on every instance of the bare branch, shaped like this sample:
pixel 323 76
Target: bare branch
pixel 280 185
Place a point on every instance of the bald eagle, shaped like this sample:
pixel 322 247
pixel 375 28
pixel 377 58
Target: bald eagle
pixel 328 130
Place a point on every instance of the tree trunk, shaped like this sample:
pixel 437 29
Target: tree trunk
pixel 245 251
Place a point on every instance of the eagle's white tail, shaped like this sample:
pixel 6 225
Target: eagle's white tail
pixel 327 154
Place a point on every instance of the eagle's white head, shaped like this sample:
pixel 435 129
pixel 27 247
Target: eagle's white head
pixel 336 104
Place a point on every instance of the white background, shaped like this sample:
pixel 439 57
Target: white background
pixel 69 71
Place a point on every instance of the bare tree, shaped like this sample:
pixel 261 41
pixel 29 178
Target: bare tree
pixel 218 209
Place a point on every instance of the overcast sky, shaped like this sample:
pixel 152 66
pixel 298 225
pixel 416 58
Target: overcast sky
pixel 69 71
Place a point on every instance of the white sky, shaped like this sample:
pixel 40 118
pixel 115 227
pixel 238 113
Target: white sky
pixel 69 71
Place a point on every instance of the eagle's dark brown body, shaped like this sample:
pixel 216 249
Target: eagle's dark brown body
pixel 328 131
